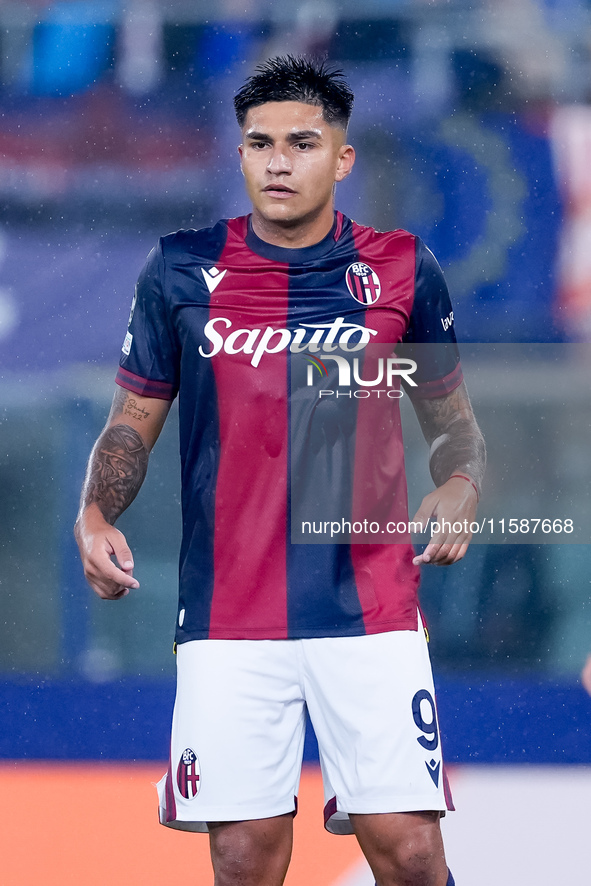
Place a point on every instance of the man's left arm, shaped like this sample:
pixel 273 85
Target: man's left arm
pixel 456 447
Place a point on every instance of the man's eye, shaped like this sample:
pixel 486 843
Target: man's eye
pixel 304 146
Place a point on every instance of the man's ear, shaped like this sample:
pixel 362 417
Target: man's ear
pixel 346 161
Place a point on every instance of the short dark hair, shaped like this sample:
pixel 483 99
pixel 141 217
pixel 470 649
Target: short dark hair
pixel 297 79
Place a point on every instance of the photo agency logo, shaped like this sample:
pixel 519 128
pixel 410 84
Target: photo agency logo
pixel 381 378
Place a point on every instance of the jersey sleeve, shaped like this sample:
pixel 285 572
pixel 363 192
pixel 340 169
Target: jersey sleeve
pixel 149 364
pixel 430 338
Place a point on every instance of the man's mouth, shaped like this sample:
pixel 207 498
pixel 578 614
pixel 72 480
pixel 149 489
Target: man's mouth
pixel 280 191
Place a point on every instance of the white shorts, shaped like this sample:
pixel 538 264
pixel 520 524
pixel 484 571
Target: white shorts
pixel 239 722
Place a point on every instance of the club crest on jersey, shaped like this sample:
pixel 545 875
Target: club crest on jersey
pixel 363 283
pixel 188 776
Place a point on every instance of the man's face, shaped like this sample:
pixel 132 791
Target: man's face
pixel 291 158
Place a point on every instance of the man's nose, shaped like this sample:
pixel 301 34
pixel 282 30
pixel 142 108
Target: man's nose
pixel 279 161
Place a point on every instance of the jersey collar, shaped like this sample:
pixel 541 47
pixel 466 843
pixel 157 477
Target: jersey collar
pixel 299 256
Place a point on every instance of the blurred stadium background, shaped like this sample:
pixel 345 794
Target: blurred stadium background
pixel 473 127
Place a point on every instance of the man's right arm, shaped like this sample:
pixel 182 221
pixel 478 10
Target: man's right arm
pixel 115 473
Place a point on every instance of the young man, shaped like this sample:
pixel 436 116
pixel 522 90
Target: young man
pixel 267 628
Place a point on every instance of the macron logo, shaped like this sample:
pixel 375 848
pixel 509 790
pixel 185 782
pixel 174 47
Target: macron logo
pixel 213 277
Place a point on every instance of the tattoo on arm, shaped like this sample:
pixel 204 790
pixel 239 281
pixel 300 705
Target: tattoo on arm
pixel 121 401
pixel 455 439
pixel 461 448
pixel 117 469
pixel 134 410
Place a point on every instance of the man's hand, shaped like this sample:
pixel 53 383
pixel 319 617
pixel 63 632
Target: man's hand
pixel 456 447
pixel 115 473
pixel 454 502
pixel 99 542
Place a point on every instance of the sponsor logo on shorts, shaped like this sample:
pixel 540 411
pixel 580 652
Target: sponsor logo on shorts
pixel 433 769
pixel 363 283
pixel 188 777
pixel 425 717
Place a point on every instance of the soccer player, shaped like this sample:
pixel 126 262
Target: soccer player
pixel 267 628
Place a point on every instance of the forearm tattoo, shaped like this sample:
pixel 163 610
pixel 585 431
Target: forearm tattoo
pixel 117 469
pixel 455 439
pixel 461 448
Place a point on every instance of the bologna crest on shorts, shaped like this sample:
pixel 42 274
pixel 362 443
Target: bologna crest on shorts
pixel 363 283
pixel 188 776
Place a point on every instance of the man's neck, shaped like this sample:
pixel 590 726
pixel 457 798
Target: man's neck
pixel 297 236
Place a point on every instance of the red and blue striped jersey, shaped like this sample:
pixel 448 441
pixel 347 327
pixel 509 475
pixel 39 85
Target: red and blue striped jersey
pixel 221 318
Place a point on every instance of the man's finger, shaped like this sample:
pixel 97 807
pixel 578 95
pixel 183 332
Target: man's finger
pixel 111 593
pixel 442 553
pixel 428 554
pixel 121 551
pixel 423 515
pixel 106 574
pixel 449 554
